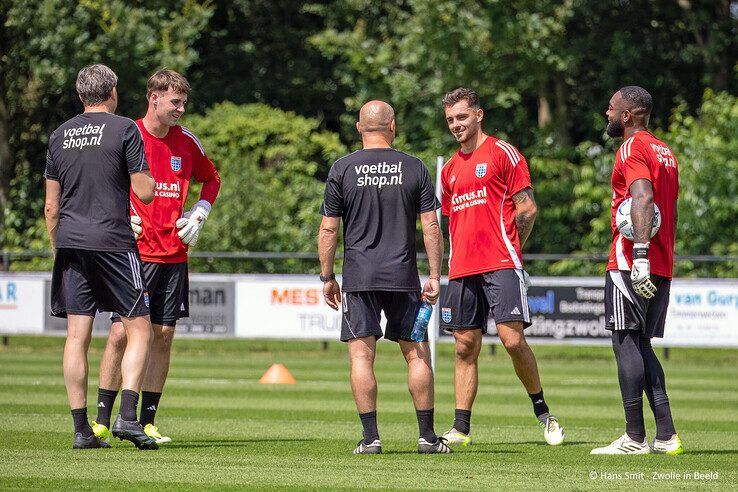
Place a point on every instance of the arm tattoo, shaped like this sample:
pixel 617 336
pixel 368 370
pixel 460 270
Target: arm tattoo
pixel 524 219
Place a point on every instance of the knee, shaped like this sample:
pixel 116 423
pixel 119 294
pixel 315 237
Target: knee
pixel 117 338
pixel 466 350
pixel 515 344
pixel 163 338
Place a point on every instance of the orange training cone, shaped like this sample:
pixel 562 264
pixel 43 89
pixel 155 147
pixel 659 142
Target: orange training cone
pixel 277 374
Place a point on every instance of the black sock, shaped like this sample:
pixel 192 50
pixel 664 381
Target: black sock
pixel 369 422
pixel 149 405
pixel 634 425
pixel 105 400
pixel 462 420
pixel 664 423
pixel 539 404
pixel 425 425
pixel 128 404
pixel 81 425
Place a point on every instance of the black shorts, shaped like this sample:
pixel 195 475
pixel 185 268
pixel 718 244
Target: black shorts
pixel 470 302
pixel 362 314
pixel 85 282
pixel 626 310
pixel 169 292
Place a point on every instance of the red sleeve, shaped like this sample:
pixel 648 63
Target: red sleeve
pixel 445 192
pixel 204 172
pixel 518 175
pixel 635 165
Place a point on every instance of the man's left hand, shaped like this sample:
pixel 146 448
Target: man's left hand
pixel 191 222
pixel 640 276
pixel 332 293
pixel 431 290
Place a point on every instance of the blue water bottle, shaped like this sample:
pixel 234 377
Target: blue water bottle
pixel 421 322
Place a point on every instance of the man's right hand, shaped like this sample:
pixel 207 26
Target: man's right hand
pixel 332 293
pixel 136 226
pixel 431 290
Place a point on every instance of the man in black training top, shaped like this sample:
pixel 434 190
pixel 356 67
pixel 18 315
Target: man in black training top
pixel 379 193
pixel 93 161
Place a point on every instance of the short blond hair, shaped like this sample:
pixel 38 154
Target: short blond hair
pixel 166 79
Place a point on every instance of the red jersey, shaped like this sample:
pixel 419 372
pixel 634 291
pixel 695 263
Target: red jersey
pixel 477 197
pixel 644 156
pixel 173 160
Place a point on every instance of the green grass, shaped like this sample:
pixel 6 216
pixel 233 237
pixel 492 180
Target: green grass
pixel 231 433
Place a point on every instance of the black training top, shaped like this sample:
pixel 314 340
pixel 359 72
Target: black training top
pixel 379 193
pixel 92 156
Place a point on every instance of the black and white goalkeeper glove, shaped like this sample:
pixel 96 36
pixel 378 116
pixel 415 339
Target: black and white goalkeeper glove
pixel 191 222
pixel 640 274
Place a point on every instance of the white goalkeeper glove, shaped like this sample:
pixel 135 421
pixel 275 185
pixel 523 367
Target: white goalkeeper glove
pixel 136 226
pixel 191 222
pixel 640 274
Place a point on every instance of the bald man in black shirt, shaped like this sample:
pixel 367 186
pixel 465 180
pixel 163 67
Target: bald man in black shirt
pixel 93 161
pixel 379 192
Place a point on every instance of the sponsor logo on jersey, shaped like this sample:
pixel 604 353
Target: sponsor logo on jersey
pixel 469 199
pixel 664 155
pixel 481 170
pixel 73 138
pixel 167 190
pixel 446 315
pixel 176 163
pixel 379 175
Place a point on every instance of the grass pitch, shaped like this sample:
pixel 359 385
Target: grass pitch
pixel 230 432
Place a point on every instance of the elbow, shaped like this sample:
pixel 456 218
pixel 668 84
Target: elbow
pixel 327 232
pixel 51 212
pixel 643 200
pixel 147 195
pixel 529 212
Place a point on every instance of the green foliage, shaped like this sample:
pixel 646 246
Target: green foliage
pixel 270 197
pixel 707 150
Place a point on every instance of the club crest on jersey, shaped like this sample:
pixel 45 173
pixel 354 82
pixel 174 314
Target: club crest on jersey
pixel 176 163
pixel 446 315
pixel 481 170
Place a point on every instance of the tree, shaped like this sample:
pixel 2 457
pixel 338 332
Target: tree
pixel 270 197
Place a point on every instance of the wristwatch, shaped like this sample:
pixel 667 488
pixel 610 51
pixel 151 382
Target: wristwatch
pixel 331 276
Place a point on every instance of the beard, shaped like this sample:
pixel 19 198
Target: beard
pixel 614 129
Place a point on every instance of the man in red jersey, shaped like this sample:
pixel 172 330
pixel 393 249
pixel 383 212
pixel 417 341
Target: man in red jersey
pixel 164 235
pixel 639 271
pixel 488 198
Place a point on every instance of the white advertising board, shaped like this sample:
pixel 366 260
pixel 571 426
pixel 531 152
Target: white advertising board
pixel 284 306
pixel 21 304
pixel 702 313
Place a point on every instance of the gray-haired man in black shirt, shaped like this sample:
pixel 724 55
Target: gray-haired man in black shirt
pixel 379 192
pixel 93 161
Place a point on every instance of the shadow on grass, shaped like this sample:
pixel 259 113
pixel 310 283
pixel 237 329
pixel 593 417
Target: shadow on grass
pixel 207 443
pixel 712 451
pixel 541 443
pixel 467 451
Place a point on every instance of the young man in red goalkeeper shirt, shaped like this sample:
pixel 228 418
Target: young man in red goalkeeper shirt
pixel 488 197
pixel 164 233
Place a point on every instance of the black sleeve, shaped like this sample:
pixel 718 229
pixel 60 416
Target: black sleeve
pixel 133 149
pixel 428 200
pixel 333 199
pixel 51 171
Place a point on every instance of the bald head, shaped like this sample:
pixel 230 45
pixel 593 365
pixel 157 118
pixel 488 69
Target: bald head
pixel 376 116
